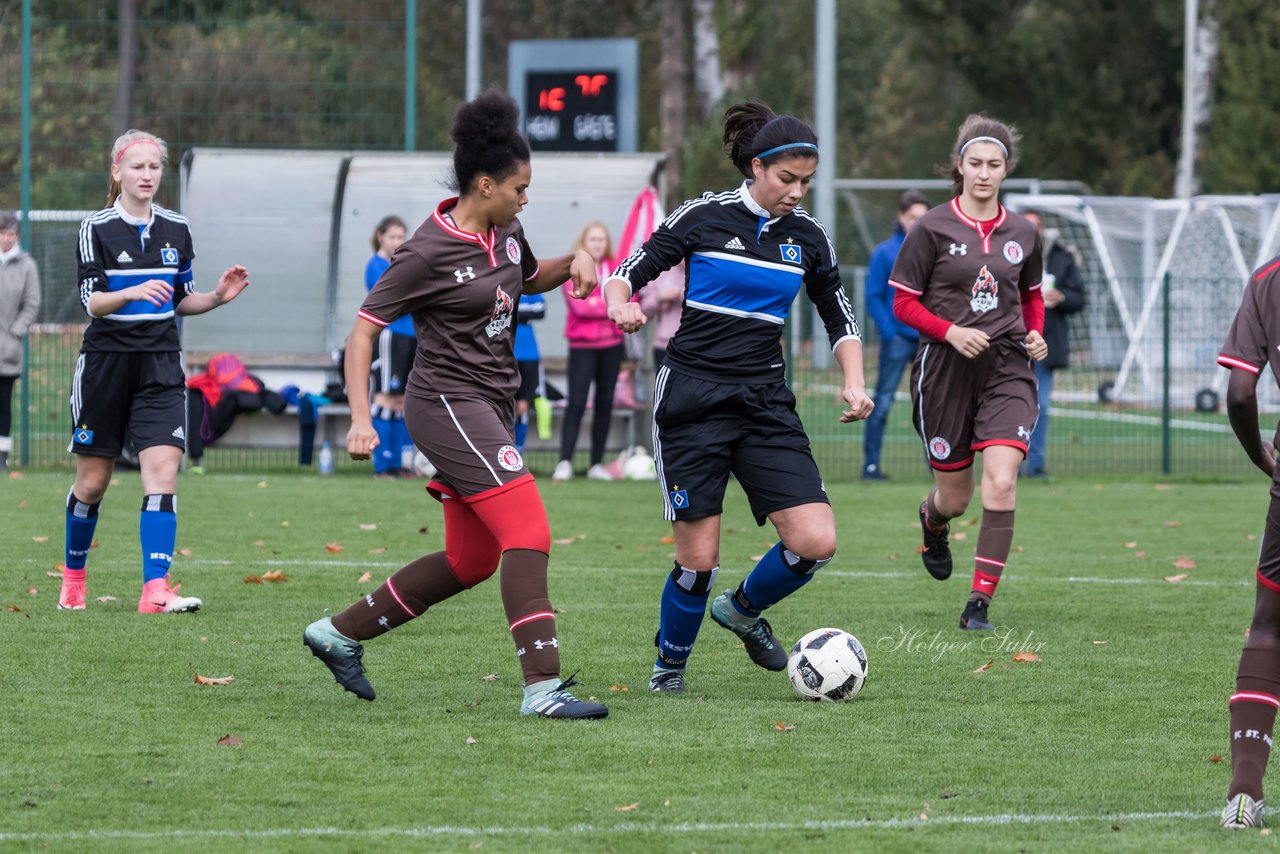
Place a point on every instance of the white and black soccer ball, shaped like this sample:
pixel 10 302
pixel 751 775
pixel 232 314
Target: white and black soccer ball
pixel 827 665
pixel 639 466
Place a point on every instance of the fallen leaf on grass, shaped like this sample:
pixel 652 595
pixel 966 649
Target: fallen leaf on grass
pixel 959 535
pixel 39 539
pixel 13 609
pixel 259 543
pixel 1025 656
pixel 893 557
pixel 275 576
pixel 924 816
pixel 1173 524
pixel 1132 544
pixel 377 551
pixel 229 740
pixel 185 552
pixel 53 574
pixel 22 505
pixel 284 524
pixel 1163 487
pixel 1100 642
pixel 1174 579
pixel 262 484
pixel 920 549
pixel 1251 537
pixel 668 540
pixel 1215 758
pixel 1140 554
pixel 563 541
pixel 369 526
pixel 213 680
pixel 16 475
pixel 1019 549
pixel 781 727
pixel 424 529
pixel 622 688
pixel 1184 563
pixel 32 591
pixel 1246 634
pixel 984 668
pixel 333 548
pixel 365 579
pixel 471 740
pixel 105 599
pixel 492 677
pixel 253 579
pixel 969 523
pixel 628 807
pixel 755 558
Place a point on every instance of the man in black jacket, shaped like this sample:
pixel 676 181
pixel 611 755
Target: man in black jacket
pixel 1063 295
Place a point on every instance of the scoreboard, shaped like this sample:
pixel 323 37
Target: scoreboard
pixel 576 94
pixel 572 110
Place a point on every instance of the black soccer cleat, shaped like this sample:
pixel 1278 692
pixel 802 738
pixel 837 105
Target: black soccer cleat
pixel 340 654
pixel 975 618
pixel 757 635
pixel 557 702
pixel 937 551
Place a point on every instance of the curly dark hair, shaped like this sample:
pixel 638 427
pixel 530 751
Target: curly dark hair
pixel 487 140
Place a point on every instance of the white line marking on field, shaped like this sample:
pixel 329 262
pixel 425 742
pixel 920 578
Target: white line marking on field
pixel 1068 579
pixel 625 827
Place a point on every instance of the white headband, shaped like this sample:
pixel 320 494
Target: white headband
pixel 985 139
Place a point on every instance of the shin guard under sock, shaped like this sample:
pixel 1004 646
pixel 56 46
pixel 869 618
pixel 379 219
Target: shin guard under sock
pixel 779 573
pixel 684 603
pixel 405 595
pixel 529 615
pixel 158 532
pixel 995 539
pixel 82 519
pixel 1253 715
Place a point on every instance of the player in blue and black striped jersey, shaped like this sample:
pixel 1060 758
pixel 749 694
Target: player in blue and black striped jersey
pixel 135 276
pixel 721 403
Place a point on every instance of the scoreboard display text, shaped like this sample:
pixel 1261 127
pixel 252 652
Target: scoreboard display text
pixel 571 110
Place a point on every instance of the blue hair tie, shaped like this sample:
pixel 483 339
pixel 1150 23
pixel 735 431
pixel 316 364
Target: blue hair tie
pixel 778 148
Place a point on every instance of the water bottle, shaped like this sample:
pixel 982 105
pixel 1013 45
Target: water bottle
pixel 326 458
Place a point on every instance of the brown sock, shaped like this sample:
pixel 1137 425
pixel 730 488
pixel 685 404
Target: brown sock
pixel 995 538
pixel 529 614
pixel 405 595
pixel 931 513
pixel 1253 716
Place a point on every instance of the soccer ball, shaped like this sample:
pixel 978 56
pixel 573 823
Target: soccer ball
pixel 422 466
pixel 827 665
pixel 639 466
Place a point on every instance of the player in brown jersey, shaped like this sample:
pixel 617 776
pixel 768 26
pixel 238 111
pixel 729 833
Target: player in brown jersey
pixel 1252 344
pixel 461 276
pixel 968 278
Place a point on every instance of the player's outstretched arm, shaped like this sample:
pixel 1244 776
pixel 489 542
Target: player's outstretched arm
pixel 231 284
pixel 553 273
pixel 859 404
pixel 361 438
pixel 628 315
pixel 1242 410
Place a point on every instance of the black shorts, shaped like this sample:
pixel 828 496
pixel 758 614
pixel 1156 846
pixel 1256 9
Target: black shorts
pixel 962 405
pixel 530 380
pixel 703 430
pixel 135 397
pixel 392 362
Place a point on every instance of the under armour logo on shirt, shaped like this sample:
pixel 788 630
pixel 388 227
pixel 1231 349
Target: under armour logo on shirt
pixel 464 274
pixel 959 249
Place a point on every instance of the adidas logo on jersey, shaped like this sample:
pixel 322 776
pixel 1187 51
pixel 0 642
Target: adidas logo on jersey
pixel 124 258
pixel 179 434
pixel 735 243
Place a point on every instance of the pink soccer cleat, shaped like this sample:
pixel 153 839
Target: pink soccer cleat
pixel 73 590
pixel 159 598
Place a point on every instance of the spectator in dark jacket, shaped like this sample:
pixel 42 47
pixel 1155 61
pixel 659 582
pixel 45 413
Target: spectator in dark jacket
pixel 898 342
pixel 1063 296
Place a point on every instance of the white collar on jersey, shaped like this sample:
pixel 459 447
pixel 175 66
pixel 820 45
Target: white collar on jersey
pixel 752 205
pixel 135 220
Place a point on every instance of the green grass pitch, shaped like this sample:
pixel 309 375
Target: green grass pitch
pixel 1115 739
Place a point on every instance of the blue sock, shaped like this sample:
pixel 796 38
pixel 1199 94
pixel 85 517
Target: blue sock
pixel 684 602
pixel 386 457
pixel 399 441
pixel 522 430
pixel 779 573
pixel 158 531
pixel 81 520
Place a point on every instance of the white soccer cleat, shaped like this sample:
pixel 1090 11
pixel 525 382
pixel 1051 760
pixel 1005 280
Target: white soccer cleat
pixel 1242 811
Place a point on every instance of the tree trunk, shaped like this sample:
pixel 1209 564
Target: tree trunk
pixel 673 69
pixel 706 57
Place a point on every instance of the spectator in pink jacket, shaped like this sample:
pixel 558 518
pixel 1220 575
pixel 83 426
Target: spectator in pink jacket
pixel 662 302
pixel 595 354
